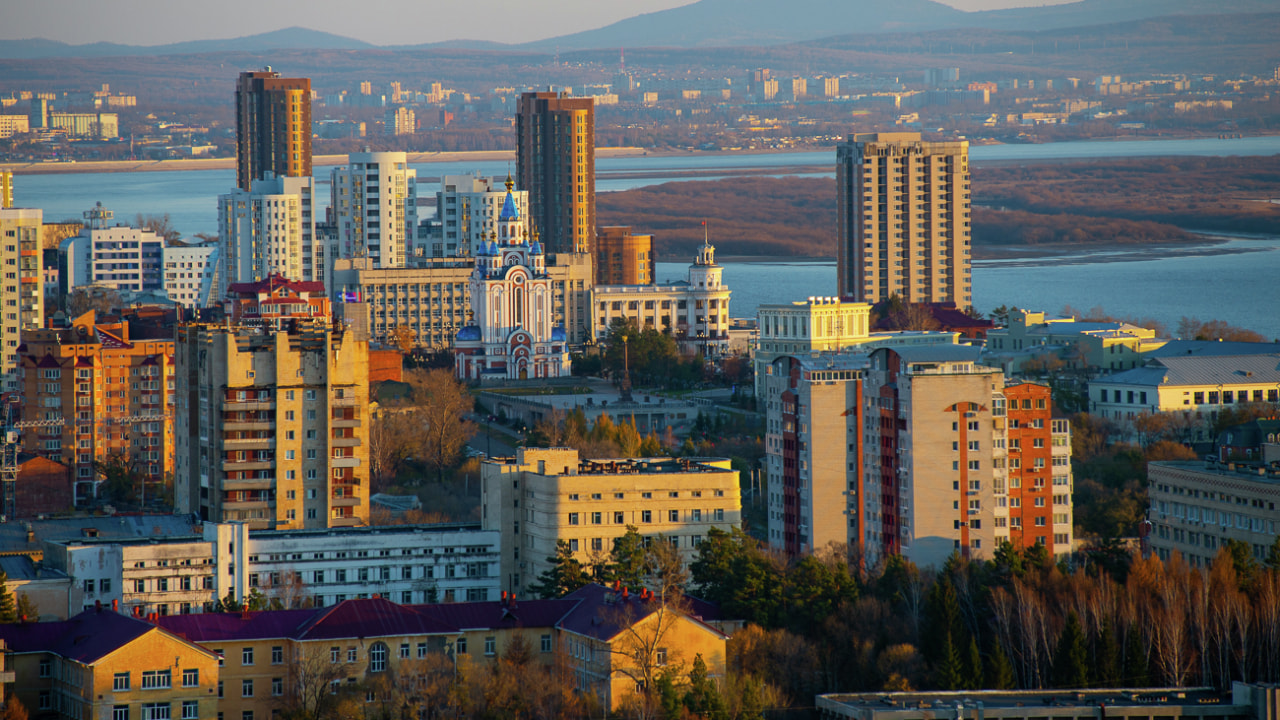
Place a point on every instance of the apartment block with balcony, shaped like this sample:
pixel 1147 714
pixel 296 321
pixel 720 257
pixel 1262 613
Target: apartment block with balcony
pixel 374 206
pixel 272 424
pixel 542 496
pixel 22 288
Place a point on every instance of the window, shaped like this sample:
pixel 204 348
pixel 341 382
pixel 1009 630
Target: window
pixel 246 656
pixel 333 654
pixel 377 657
pixel 191 678
pixel 597 518
pixel 277 655
pixel 404 650
pixel 190 710
pixel 461 646
pixel 118 683
pixel 351 654
pixel 646 516
pixel 277 687
pixel 156 680
pixel 546 643
pixel 573 518
pixel 119 712
pixel 490 646
pixel 155 711
pixel 422 650
pixel 673 515
pixel 246 688
pixel 618 518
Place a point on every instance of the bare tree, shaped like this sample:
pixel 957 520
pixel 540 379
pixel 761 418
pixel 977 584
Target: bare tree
pixel 161 225
pixel 443 404
pixel 310 694
pixel 100 298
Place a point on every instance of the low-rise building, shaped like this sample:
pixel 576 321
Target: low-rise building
pixel 291 568
pixel 694 311
pixel 101 664
pixel 1197 506
pixel 192 274
pixel 119 257
pixel 546 495
pixel 1078 344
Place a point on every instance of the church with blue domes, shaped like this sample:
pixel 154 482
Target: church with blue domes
pixel 512 335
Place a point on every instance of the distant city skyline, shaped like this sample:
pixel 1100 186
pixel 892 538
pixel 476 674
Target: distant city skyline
pixel 379 22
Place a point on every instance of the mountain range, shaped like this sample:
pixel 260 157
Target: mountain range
pixel 709 23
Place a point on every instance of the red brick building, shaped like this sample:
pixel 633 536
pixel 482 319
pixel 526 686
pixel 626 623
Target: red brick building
pixel 44 487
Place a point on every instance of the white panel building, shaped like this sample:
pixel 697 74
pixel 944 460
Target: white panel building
pixel 191 273
pixel 118 257
pixel 468 208
pixel 374 205
pixel 270 230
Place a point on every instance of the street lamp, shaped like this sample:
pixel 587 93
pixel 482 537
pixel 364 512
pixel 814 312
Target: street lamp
pixel 626 370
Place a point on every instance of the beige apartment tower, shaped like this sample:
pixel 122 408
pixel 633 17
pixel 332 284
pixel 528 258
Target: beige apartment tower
pixel 272 425
pixel 903 219
pixel 556 164
pixel 24 289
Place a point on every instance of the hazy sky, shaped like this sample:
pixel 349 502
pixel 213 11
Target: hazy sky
pixel 381 22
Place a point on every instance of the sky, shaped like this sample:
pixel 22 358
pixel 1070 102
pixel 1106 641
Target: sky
pixel 380 22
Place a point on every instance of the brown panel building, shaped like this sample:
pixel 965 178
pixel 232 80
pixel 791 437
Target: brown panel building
pixel 556 164
pixel 273 126
pixel 623 258
pixel 95 393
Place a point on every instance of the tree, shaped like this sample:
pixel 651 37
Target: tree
pixel 8 608
pixel 703 698
pixel 1107 662
pixel 912 316
pixel 27 609
pixel 99 298
pixel 443 404
pixel 949 674
pixel 161 225
pixel 121 478
pixel 308 693
pixel 629 559
pixel 1070 662
pixel 976 679
pixel 403 337
pixel 13 709
pixel 999 670
pixel 564 576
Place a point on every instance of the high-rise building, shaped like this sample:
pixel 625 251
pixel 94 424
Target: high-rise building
pixel 273 126
pixel 913 450
pixel 374 203
pixel 22 290
pixel 271 230
pixel 192 274
pixel 903 219
pixel 623 258
pixel 97 394
pixel 468 207
pixel 556 164
pixel 272 413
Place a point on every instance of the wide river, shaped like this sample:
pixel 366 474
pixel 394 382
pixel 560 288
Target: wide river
pixel 1232 281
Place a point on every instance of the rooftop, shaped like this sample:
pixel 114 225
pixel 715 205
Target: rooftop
pixel 1207 370
pixel 987 701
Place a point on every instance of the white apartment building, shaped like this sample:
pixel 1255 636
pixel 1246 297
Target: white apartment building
pixel 545 495
pixel 374 206
pixel 271 230
pixel 191 273
pixel 297 568
pixel 467 208
pixel 118 257
pixel 694 311
pixel 22 290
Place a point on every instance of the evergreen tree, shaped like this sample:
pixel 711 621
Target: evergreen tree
pixel 949 674
pixel 8 608
pixel 1070 662
pixel 628 559
pixel 669 696
pixel 27 608
pixel 943 615
pixel 703 698
pixel 999 670
pixel 1135 660
pixel 564 576
pixel 975 681
pixel 1107 663
pixel 1273 556
pixel 752 705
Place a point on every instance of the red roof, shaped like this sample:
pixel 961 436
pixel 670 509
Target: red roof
pixel 271 282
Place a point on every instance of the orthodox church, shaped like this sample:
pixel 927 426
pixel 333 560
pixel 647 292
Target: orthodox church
pixel 511 336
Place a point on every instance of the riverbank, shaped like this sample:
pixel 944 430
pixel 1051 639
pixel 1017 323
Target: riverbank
pixel 189 164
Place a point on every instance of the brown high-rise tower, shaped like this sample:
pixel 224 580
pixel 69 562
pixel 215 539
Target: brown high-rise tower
pixel 556 164
pixel 273 126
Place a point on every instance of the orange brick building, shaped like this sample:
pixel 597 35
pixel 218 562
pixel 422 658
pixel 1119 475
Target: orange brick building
pixel 1039 470
pixel 44 487
pixel 93 393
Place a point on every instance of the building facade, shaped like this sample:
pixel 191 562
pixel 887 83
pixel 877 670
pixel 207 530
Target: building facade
pixel 556 165
pixel 543 496
pixel 623 258
pixel 118 257
pixel 468 207
pixel 290 568
pixel 272 420
pixel 695 312
pixel 271 229
pixel 273 127
pixel 94 394
pixel 22 290
pixel 1097 346
pixel 513 335
pixel 374 207
pixel 1196 507
pixel 192 273
pixel 903 219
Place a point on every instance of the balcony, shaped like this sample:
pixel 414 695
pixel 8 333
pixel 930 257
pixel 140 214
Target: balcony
pixel 237 466
pixel 343 462
pixel 345 442
pixel 345 502
pixel 248 425
pixel 345 423
pixel 344 402
pixel 249 484
pixel 249 443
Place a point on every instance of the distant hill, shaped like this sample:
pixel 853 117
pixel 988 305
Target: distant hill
pixel 294 38
pixel 721 23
